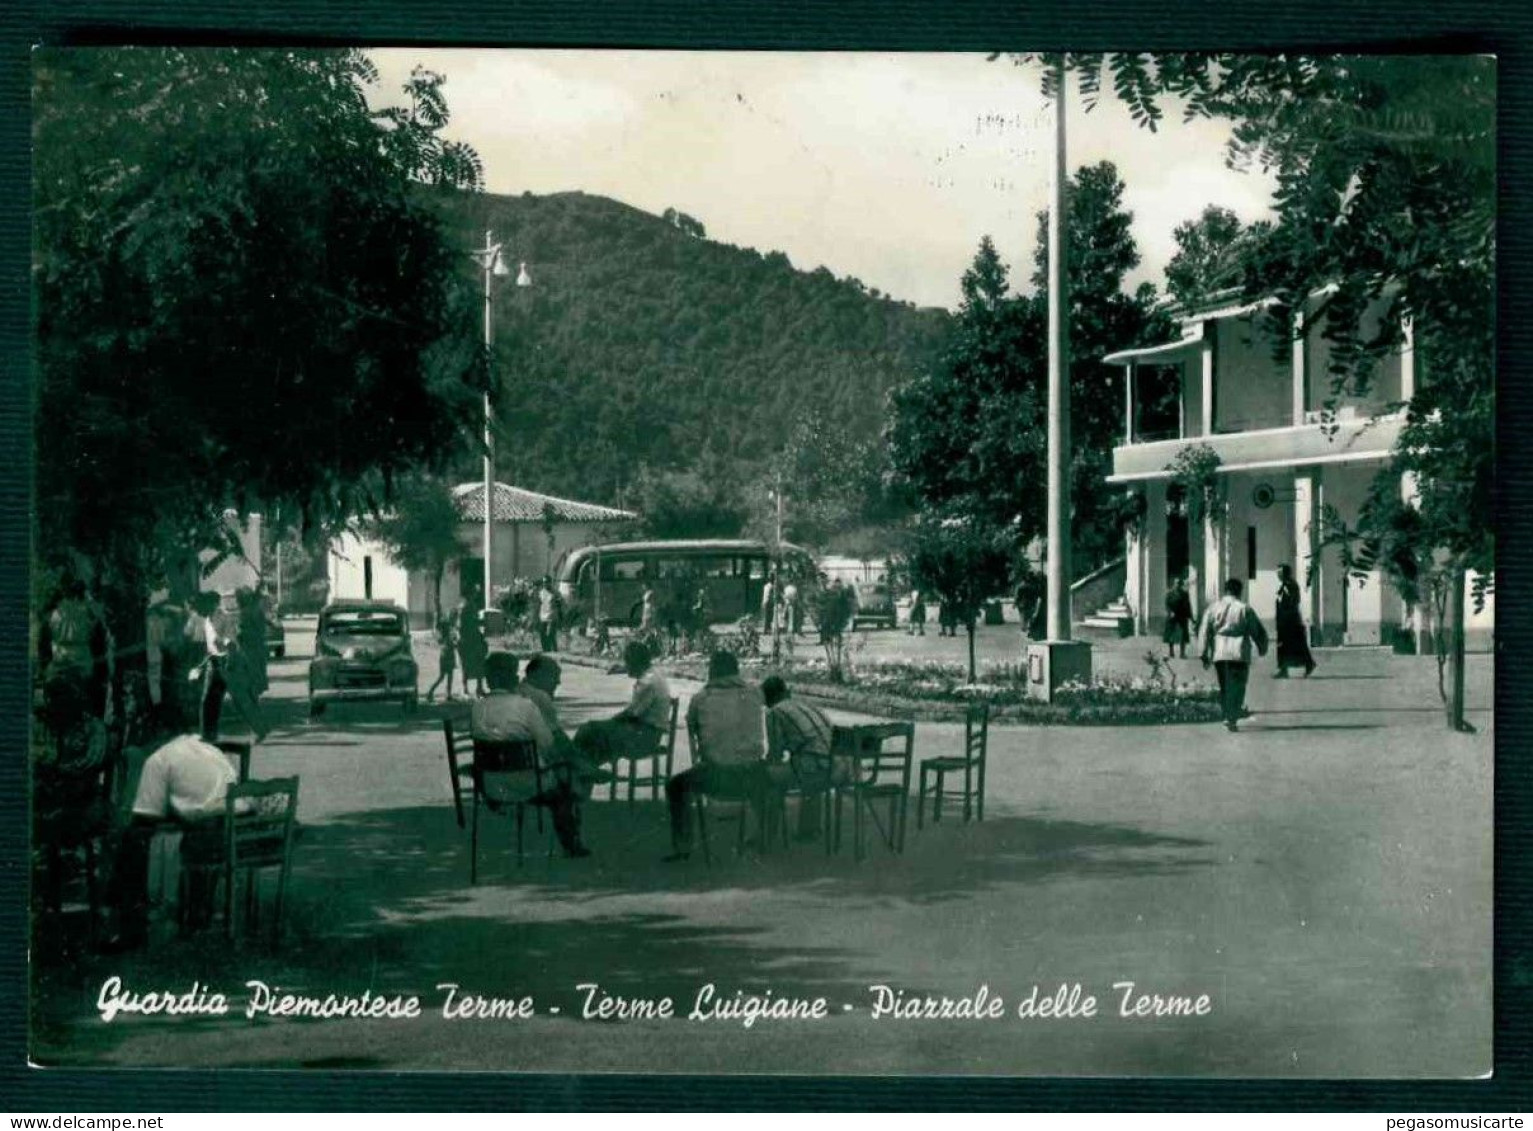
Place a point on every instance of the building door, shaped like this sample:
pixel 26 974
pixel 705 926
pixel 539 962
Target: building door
pixel 1178 555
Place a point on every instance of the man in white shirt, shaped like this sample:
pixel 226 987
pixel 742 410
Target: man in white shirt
pixel 639 728
pixel 183 784
pixel 504 716
pixel 1230 630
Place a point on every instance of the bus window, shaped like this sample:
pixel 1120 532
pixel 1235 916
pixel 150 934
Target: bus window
pixel 713 567
pixel 631 569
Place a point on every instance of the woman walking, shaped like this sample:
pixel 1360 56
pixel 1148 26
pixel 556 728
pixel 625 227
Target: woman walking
pixel 1178 619
pixel 1292 636
pixel 471 646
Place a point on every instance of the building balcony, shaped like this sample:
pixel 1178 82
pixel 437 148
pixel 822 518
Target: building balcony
pixel 1351 439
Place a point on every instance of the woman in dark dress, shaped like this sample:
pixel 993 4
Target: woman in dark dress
pixel 1292 638
pixel 471 646
pixel 1178 619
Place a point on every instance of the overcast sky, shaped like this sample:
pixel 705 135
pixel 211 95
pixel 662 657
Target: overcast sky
pixel 886 167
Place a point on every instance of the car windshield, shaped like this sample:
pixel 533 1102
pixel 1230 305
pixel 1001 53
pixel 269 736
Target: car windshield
pixel 363 622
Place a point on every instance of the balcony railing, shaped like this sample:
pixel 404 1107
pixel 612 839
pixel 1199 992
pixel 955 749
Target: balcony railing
pixel 1310 443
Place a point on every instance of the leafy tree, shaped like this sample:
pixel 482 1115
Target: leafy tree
pixel 1386 175
pixel 963 563
pixel 970 436
pixel 422 530
pixel 687 504
pixel 1210 254
pixel 243 299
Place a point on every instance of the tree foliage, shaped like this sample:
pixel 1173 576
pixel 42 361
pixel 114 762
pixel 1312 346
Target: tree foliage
pixel 242 298
pixel 1386 200
pixel 970 436
pixel 643 351
pixel 963 563
pixel 421 529
pixel 1211 254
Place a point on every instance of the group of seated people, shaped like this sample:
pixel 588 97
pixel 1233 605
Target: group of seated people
pixel 750 742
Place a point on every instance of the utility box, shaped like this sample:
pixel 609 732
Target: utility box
pixel 1053 663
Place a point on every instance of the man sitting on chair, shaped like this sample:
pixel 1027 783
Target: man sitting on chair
pixel 182 784
pixel 540 682
pixel 503 717
pixel 639 728
pixel 798 751
pixel 725 718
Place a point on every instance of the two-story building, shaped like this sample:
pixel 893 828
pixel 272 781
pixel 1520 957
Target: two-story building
pixel 1281 465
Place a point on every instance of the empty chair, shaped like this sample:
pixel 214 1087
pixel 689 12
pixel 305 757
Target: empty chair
pixel 880 758
pixel 970 764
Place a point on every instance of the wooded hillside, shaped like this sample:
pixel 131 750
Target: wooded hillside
pixel 643 344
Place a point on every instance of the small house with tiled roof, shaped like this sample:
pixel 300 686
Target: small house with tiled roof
pixel 532 532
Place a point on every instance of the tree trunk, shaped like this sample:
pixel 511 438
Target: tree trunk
pixel 436 594
pixel 1456 720
pixel 972 673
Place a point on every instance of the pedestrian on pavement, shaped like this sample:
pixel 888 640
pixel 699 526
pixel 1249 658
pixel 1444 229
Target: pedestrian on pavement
pixel 447 657
pixel 1230 630
pixel 1178 619
pixel 471 645
pixel 768 602
pixel 1292 636
pixel 917 613
pixel 647 609
pixel 548 617
pixel 792 609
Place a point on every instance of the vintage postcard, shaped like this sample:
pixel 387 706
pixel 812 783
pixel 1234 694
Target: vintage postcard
pixel 791 563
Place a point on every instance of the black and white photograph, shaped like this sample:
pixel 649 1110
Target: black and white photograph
pixel 835 563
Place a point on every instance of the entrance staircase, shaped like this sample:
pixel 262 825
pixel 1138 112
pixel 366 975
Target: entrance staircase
pixel 1115 619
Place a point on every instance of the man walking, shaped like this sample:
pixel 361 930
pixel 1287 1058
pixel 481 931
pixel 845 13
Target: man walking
pixel 1230 629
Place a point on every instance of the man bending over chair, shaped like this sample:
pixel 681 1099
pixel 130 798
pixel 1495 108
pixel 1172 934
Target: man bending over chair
pixel 725 718
pixel 639 728
pixel 798 752
pixel 181 785
pixel 503 716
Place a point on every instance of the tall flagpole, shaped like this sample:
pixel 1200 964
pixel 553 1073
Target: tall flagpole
pixel 1058 661
pixel 1059 383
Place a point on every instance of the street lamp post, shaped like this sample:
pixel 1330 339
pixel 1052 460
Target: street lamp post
pixel 494 266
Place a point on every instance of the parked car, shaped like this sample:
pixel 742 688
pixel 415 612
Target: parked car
pixel 875 605
pixel 362 652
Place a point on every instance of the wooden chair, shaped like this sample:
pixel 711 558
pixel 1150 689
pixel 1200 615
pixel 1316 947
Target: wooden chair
pixel 256 833
pixel 73 822
pixel 460 767
pixel 240 752
pixel 879 775
pixel 717 806
pixel 511 758
pixel 661 764
pixel 971 763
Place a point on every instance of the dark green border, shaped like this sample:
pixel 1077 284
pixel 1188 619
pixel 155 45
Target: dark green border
pixel 1505 29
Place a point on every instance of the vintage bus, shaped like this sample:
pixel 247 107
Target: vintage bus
pixel 733 572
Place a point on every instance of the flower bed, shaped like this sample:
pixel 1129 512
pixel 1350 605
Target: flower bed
pixel 938 690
